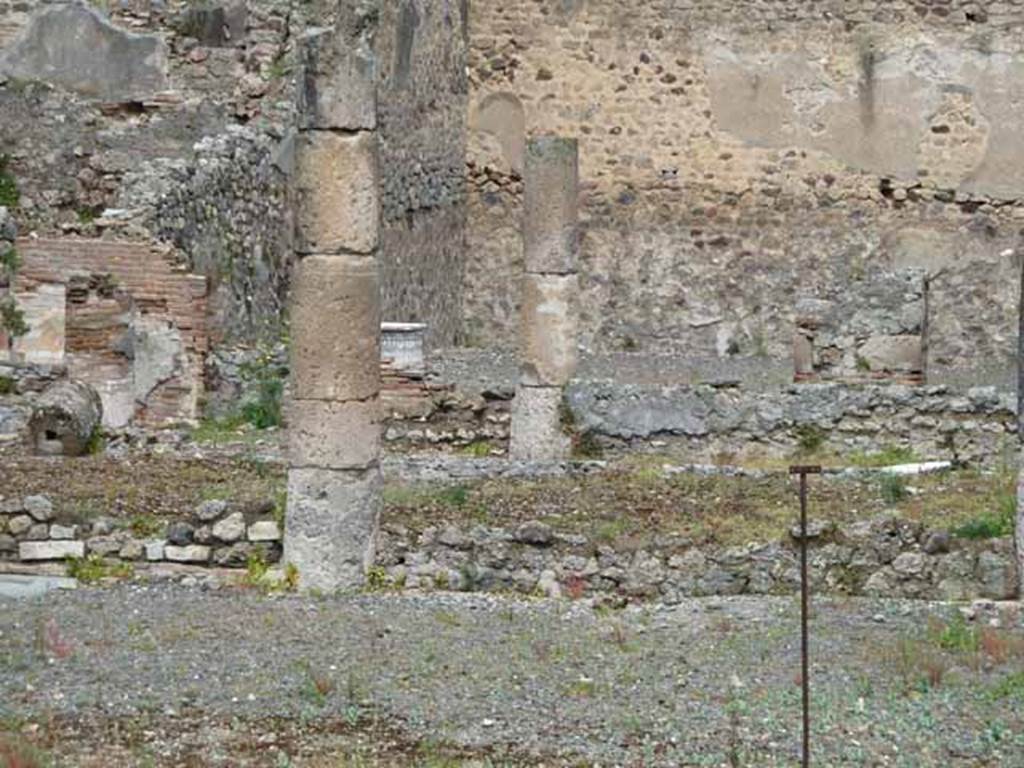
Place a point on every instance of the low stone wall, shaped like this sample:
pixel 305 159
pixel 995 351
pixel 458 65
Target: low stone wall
pixel 883 557
pixel 722 421
pixel 216 534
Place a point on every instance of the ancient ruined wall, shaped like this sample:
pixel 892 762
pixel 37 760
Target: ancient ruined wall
pixel 164 122
pixel 422 108
pixel 736 157
pixel 121 317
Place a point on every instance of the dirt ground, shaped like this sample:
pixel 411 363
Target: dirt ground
pixel 165 676
pixel 626 503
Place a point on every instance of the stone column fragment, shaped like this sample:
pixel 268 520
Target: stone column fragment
pixel 334 480
pixel 548 330
pixel 549 325
pixel 550 205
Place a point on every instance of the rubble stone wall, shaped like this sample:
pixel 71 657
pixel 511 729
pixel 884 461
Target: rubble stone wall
pixel 735 156
pixel 422 101
pixel 883 557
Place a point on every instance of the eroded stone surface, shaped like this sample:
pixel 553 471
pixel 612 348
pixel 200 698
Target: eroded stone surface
pixel 332 523
pixel 335 321
pixel 337 196
pixel 50 550
pixel 551 205
pixel 73 46
pixel 334 435
pixel 340 89
pixel 549 328
pixel 537 431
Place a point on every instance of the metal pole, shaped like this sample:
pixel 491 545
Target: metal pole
pixel 805 679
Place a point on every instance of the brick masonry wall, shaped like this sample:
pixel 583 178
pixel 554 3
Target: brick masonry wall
pixel 156 287
pixel 736 157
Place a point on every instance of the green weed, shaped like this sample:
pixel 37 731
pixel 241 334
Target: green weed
pixel 1011 686
pixel 992 525
pixel 93 568
pixel 893 488
pixel 9 194
pixel 479 449
pixel 887 456
pixel 955 635
pixel 810 438
pixel 145 526
pixel 12 319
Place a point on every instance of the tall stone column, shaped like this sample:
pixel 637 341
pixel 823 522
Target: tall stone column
pixel 334 482
pixel 549 318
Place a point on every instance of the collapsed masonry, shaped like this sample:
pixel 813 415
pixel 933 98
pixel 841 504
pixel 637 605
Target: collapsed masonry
pixel 876 329
pixel 334 481
pixel 550 288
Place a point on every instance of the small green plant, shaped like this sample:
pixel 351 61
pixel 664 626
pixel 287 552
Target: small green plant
pixel 7 385
pixel 9 194
pixel 256 569
pixel 455 496
pixel 1011 686
pixel 265 411
pixel 478 449
pixel 955 635
pixel 992 525
pixel 262 408
pixel 377 579
pixel 291 577
pixel 10 260
pixel 93 568
pixel 12 319
pixel 145 526
pixel 885 457
pixel 277 70
pixel 86 216
pixel 214 431
pixel 893 488
pixel 280 507
pixel 584 688
pixel 317 687
pixel 863 365
pixel 810 438
pixel 97 443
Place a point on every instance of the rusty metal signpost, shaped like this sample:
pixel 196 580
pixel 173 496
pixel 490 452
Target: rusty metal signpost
pixel 803 472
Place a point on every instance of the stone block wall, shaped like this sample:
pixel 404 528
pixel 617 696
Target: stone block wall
pixel 735 156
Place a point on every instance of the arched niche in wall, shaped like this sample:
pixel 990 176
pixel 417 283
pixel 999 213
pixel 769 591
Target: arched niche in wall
pixel 498 126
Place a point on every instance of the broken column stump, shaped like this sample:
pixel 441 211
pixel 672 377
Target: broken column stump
pixel 549 322
pixel 65 419
pixel 334 480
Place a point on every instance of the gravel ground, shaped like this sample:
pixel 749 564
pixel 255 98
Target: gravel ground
pixel 710 682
